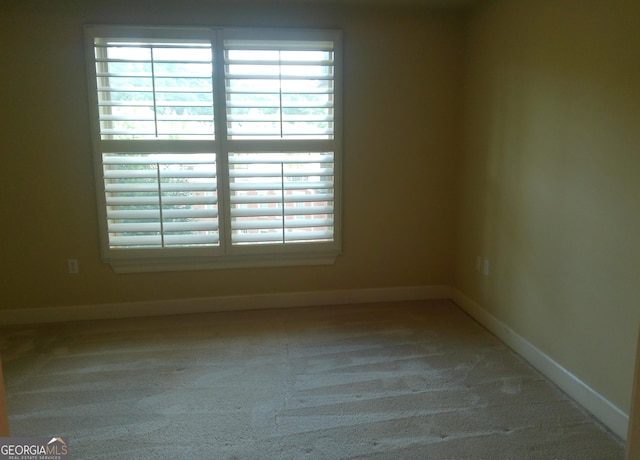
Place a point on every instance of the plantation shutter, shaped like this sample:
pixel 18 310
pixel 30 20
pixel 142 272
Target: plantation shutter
pixel 281 93
pixel 215 147
pixel 155 106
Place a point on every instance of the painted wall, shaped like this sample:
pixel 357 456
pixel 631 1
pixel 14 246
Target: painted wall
pixel 549 181
pixel 403 72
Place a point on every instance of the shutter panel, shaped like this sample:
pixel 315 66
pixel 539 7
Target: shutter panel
pixel 157 90
pixel 281 198
pixel 154 89
pixel 160 200
pixel 279 89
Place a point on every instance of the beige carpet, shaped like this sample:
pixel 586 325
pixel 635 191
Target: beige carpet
pixel 415 380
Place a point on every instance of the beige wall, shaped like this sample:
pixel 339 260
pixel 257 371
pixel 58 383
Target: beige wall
pixel 402 78
pixel 549 181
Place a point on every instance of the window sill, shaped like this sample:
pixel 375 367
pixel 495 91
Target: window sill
pixel 219 263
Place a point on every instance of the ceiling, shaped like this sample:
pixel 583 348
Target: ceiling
pixel 453 4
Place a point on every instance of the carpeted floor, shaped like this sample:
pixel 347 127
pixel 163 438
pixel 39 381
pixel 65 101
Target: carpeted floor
pixel 412 380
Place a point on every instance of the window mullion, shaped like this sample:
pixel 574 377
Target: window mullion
pixel 160 205
pixel 222 159
pixel 283 204
pixel 153 91
pixel 280 94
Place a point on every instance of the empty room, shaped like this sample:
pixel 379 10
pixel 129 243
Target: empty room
pixel 320 229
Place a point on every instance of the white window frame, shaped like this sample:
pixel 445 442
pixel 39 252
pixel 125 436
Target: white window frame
pixel 226 254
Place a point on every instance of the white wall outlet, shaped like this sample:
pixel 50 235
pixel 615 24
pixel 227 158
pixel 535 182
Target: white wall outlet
pixel 72 265
pixel 485 267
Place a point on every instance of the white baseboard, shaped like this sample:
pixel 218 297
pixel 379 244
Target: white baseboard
pixel 226 303
pixel 604 410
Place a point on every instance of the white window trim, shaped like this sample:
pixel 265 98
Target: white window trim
pixel 225 255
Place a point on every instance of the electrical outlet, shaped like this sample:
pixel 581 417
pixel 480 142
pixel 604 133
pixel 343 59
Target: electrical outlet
pixel 485 267
pixel 72 265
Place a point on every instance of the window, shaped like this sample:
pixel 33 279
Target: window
pixel 215 147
